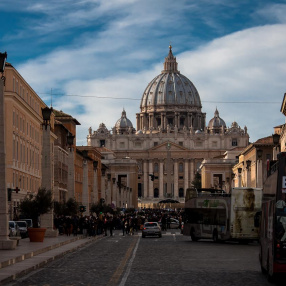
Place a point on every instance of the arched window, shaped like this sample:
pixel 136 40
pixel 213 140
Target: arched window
pixel 156 193
pixel 181 192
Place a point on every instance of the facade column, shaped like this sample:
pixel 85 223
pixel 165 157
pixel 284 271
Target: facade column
pixel 186 175
pixel 103 190
pixel 114 193
pixel 108 193
pixel 47 220
pixel 71 176
pixel 192 174
pixel 161 179
pixel 145 174
pixel 95 185
pixel 5 242
pixel 259 183
pixel 176 179
pixel 151 183
pixel 85 194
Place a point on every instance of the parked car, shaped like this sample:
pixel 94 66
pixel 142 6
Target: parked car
pixel 23 227
pixel 28 221
pixel 151 229
pixel 13 229
pixel 174 223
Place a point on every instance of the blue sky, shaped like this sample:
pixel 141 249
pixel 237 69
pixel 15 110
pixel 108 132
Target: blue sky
pixel 97 56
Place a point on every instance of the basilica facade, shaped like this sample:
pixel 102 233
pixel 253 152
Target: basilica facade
pixel 171 138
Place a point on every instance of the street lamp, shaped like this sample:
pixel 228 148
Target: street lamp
pixel 70 139
pixel 46 112
pixel 95 164
pixel 259 154
pixel 248 163
pixel 276 138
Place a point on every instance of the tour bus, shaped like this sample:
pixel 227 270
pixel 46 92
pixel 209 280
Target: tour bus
pixel 215 214
pixel 272 253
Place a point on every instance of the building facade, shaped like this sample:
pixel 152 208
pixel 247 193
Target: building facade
pixel 23 138
pixel 171 139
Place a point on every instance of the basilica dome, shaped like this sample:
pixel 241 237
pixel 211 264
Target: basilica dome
pixel 170 89
pixel 170 102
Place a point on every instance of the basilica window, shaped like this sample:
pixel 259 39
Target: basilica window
pixel 181 143
pixel 156 168
pixel 155 144
pixel 234 142
pixel 214 144
pixel 181 168
pixel 181 192
pixel 122 144
pixel 156 193
pixel 102 143
pixel 137 144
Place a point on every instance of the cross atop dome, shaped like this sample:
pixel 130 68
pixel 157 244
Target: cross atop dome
pixel 170 64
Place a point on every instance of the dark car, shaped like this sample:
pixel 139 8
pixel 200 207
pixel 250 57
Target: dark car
pixel 151 229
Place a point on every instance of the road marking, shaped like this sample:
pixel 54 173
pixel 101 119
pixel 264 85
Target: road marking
pixel 118 272
pixel 124 279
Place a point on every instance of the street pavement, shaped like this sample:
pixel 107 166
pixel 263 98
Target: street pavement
pixel 29 256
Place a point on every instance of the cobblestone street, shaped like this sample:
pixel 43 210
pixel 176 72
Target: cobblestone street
pixel 171 260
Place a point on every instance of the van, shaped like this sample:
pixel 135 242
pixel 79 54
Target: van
pixel 13 229
pixel 28 221
pixel 23 227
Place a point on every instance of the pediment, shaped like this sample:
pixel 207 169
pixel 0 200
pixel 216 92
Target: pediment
pixel 168 145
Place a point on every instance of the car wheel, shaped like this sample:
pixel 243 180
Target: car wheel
pixel 193 235
pixel 143 236
pixel 215 236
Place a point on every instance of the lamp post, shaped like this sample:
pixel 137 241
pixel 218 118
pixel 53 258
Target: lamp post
pixel 85 194
pixel 95 181
pixel 71 176
pixel 5 242
pixel 259 154
pixel 47 220
pixel 276 139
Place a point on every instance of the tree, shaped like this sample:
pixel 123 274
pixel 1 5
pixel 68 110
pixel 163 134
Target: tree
pixel 35 205
pixel 197 183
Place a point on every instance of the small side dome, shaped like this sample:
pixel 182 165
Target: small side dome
pixel 139 132
pixel 216 124
pixel 123 125
pixel 198 131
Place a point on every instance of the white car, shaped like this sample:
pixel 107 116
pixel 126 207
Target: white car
pixel 13 229
pixel 174 223
pixel 23 227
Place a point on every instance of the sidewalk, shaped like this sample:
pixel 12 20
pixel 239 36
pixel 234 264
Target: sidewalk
pixel 29 256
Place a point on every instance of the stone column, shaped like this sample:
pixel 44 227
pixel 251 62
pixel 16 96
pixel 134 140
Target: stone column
pixel 114 193
pixel 108 198
pixel 5 242
pixel 145 177
pixel 161 179
pixel 176 179
pixel 95 186
pixel 259 183
pixel 186 175
pixel 151 183
pixel 192 175
pixel 103 184
pixel 85 194
pixel 71 177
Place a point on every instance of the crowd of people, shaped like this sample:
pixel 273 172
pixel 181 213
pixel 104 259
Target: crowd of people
pixel 105 223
